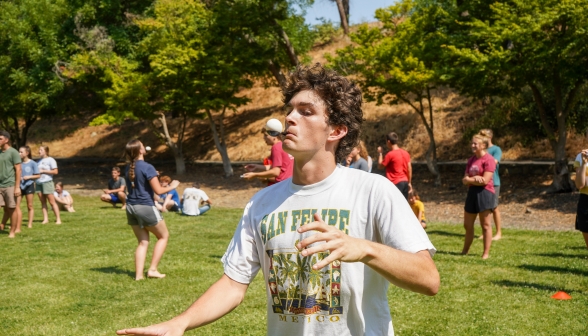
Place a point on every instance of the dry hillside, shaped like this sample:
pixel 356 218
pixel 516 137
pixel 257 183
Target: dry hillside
pixel 453 115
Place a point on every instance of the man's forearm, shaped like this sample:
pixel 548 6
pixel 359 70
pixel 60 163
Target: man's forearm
pixel 220 299
pixel 274 172
pixel 413 271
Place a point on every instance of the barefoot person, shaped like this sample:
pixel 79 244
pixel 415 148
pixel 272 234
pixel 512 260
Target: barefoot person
pixel 10 171
pixel 63 198
pixel 116 192
pixel 581 164
pixel 30 172
pixel 496 153
pixel 142 216
pixel 349 233
pixel 44 185
pixel 480 199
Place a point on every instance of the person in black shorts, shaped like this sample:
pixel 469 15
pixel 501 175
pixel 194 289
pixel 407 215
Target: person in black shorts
pixel 481 198
pixel 580 164
pixel 142 215
pixel 116 192
pixel 30 172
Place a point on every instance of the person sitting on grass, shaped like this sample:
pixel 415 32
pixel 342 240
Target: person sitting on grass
pixel 116 192
pixel 417 207
pixel 63 198
pixel 195 202
pixel 169 201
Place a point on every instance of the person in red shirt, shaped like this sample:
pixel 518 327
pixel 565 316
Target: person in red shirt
pixel 282 163
pixel 397 164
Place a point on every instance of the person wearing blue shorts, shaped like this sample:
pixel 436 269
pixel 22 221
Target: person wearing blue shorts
pixel 116 192
pixel 169 201
pixel 142 215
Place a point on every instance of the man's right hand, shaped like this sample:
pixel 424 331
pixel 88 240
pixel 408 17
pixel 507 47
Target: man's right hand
pixel 163 329
pixel 379 149
pixel 106 191
pixel 250 167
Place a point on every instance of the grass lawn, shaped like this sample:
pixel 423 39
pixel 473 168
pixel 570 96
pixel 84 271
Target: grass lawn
pixel 77 279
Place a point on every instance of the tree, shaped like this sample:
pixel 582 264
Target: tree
pixel 397 63
pixel 502 48
pixel 343 8
pixel 30 45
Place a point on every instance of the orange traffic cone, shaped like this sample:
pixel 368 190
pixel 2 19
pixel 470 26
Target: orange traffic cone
pixel 561 295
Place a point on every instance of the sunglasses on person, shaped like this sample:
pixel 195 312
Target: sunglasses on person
pixel 271 133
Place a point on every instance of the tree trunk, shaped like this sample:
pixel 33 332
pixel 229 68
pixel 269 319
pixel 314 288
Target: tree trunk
pixel 288 46
pixel 220 145
pixel 343 16
pixel 278 74
pixel 176 147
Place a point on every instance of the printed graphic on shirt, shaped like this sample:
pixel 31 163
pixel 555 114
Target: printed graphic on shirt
pixel 296 288
pixel 474 170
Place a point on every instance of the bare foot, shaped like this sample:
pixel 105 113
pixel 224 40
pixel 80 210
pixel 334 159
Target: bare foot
pixel 155 274
pixel 124 207
pixel 30 226
pixel 481 237
pixel 17 231
pixel 497 237
pixel 11 235
pixel 44 222
pixel 58 223
pixel 485 256
pixel 70 209
pixel 139 278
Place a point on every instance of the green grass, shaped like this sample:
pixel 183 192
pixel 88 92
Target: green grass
pixel 77 279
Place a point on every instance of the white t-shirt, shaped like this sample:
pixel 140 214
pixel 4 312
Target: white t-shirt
pixel 47 163
pixel 64 193
pixel 192 198
pixel 342 298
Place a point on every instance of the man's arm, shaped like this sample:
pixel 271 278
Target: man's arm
pixel 272 173
pixel 413 271
pixel 409 176
pixel 220 299
pixel 17 174
pixel 581 171
pixel 380 158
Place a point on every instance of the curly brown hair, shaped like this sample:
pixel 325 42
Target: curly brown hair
pixel 341 96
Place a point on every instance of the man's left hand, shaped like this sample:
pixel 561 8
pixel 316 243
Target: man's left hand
pixel 340 245
pixel 17 191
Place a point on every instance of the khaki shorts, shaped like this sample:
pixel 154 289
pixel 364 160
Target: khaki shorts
pixel 46 188
pixel 7 198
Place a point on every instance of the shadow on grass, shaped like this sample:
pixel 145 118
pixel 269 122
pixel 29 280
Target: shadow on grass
pixel 535 268
pixel 449 253
pixel 562 255
pixel 577 248
pixel 215 256
pixel 114 270
pixel 444 233
pixel 520 284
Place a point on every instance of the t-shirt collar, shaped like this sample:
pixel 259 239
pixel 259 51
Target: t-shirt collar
pixel 315 188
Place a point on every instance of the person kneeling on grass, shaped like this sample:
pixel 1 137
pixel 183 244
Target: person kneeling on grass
pixel 63 198
pixel 169 201
pixel 417 207
pixel 192 199
pixel 116 192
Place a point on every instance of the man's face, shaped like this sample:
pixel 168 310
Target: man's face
pixel 3 141
pixel 163 183
pixel 115 174
pixel 307 130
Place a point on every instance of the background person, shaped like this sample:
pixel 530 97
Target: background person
pixel 63 198
pixel 480 199
pixel 44 185
pixel 169 201
pixel 142 215
pixel 195 202
pixel 397 164
pixel 417 207
pixel 116 192
pixel 581 181
pixel 281 162
pixel 357 159
pixel 10 192
pixel 30 172
pixel 496 153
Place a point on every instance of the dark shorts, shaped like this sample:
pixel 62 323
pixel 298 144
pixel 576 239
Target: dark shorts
pixel 403 187
pixel 496 193
pixel 114 198
pixel 582 214
pixel 479 200
pixel 143 215
pixel 30 189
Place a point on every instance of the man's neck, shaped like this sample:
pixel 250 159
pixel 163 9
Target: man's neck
pixel 395 147
pixel 5 147
pixel 115 178
pixel 313 170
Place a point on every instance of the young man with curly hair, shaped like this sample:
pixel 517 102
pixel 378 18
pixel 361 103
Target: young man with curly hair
pixel 329 240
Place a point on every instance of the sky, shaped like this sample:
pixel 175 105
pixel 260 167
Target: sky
pixel 359 10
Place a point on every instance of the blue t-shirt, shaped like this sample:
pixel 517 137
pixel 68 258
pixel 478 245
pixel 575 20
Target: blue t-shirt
pixel 28 169
pixel 175 196
pixel 496 153
pixel 140 191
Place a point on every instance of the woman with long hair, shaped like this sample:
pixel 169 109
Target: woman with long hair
pixel 496 153
pixel 357 158
pixel 44 185
pixel 581 164
pixel 480 199
pixel 30 172
pixel 142 215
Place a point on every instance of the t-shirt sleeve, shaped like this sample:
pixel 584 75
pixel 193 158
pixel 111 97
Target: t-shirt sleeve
pixel 489 164
pixel 468 166
pixel 15 157
pixel 395 221
pixel 55 194
pixel 386 160
pixel 122 182
pixel 497 154
pixel 362 165
pixel 149 172
pixel 241 260
pixel 65 193
pixel 276 155
pixel 35 167
pixel 203 195
pixel 52 163
pixel 421 206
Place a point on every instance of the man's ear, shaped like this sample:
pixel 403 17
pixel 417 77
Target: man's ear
pixel 337 132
